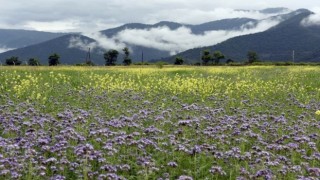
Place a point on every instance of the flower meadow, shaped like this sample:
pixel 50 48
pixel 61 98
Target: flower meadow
pixel 149 123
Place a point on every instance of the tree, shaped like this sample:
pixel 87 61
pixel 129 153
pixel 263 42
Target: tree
pixel 217 55
pixel 126 60
pixel 178 61
pixel 54 59
pixel 33 62
pixel 111 57
pixel 89 63
pixel 252 57
pixel 229 61
pixel 206 57
pixel 13 61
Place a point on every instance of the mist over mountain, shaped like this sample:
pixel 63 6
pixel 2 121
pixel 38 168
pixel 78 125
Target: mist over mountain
pixel 73 47
pixel 274 38
pixel 276 44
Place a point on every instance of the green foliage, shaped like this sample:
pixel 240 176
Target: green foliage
pixel 54 59
pixel 111 57
pixel 88 63
pixel 141 63
pixel 206 57
pixel 13 61
pixel 160 122
pixel 252 57
pixel 217 55
pixel 160 64
pixel 126 60
pixel 229 61
pixel 179 61
pixel 33 62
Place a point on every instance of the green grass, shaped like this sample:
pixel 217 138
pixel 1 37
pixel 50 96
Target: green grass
pixel 198 117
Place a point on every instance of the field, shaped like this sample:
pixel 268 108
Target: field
pixel 159 123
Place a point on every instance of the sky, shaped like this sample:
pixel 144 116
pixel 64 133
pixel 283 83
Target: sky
pixel 91 16
pixel 80 15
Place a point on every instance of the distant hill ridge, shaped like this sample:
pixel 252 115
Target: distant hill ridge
pixel 69 55
pixel 13 38
pixel 275 44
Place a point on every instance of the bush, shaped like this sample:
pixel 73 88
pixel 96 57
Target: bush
pixel 13 61
pixel 160 64
pixel 179 61
pixel 33 62
pixel 54 59
pixel 141 63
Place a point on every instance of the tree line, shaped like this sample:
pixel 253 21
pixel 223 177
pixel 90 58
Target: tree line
pixel 216 56
pixel 111 57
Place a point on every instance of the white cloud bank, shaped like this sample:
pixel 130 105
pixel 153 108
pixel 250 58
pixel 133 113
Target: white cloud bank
pixel 4 49
pixel 313 19
pixel 101 41
pixel 163 38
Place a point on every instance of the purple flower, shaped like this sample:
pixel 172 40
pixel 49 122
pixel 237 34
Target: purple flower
pixel 172 164
pixel 314 171
pixel 184 177
pixel 58 177
pixel 109 168
pixel 217 170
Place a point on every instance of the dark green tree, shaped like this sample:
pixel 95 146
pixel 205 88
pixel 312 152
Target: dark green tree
pixel 217 55
pixel 178 61
pixel 111 57
pixel 206 57
pixel 33 62
pixel 54 59
pixel 229 61
pixel 252 57
pixel 126 60
pixel 13 61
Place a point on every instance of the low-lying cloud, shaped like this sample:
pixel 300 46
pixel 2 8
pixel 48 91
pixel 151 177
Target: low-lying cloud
pixel 165 39
pixel 182 39
pixel 4 49
pixel 313 19
pixel 196 16
pixel 101 41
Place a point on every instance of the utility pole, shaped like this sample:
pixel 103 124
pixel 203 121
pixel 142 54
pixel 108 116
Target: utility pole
pixel 88 58
pixel 293 56
pixel 142 57
pixel 200 58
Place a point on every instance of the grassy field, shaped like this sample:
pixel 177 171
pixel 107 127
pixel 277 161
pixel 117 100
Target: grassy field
pixel 160 123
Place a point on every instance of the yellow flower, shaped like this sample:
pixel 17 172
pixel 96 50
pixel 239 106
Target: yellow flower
pixel 318 112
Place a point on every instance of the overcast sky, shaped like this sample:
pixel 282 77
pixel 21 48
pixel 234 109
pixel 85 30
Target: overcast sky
pixel 80 15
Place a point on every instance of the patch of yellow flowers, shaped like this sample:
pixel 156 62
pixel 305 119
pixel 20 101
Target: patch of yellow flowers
pixel 254 82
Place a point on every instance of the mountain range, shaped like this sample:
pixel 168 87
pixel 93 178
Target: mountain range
pixel 72 55
pixel 13 38
pixel 287 41
pixel 273 44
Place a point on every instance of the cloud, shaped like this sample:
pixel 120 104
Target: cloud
pixel 77 42
pixel 165 39
pixel 196 16
pixel 75 15
pixel 181 39
pixel 4 49
pixel 101 42
pixel 313 19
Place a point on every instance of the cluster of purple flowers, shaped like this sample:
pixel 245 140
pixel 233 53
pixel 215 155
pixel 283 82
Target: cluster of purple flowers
pixel 180 141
